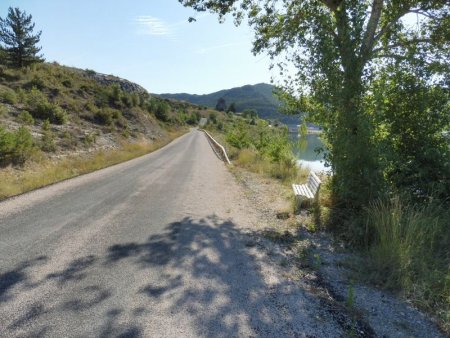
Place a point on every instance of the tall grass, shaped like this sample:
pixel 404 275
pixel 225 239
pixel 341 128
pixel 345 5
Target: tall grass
pixel 44 171
pixel 410 251
pixel 285 170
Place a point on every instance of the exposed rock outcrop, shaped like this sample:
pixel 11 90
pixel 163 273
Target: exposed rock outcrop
pixel 125 85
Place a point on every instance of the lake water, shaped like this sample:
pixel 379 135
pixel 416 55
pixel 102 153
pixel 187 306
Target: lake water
pixel 305 151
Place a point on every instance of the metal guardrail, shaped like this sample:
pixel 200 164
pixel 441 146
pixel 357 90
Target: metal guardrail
pixel 218 145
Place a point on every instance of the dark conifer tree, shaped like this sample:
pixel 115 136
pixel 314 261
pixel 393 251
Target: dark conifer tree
pixel 221 104
pixel 18 41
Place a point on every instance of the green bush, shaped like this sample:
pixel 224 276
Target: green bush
pixel 106 116
pixel 7 145
pixel 162 111
pixel 67 83
pixel 26 118
pixel 15 147
pixel 41 108
pixel 37 82
pixel 48 142
pixel 8 95
pixel 213 117
pixel 412 117
pixel 21 95
pixel 126 100
pixel 51 111
pixel 238 136
pixel 34 98
pixel 194 118
pixel 24 146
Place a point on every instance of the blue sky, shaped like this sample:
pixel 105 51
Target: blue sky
pixel 147 41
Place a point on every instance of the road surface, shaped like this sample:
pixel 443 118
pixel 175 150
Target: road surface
pixel 153 247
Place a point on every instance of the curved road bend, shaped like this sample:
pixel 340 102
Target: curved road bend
pixel 154 247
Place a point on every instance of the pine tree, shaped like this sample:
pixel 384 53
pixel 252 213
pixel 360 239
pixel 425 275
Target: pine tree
pixel 18 40
pixel 221 104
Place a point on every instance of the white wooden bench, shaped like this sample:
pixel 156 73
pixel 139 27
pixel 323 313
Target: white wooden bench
pixel 310 190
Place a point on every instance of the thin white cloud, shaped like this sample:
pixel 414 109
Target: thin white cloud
pixel 206 50
pixel 149 25
pixel 153 26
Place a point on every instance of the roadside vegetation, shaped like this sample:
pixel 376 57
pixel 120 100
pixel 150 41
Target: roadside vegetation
pixel 379 87
pixel 259 147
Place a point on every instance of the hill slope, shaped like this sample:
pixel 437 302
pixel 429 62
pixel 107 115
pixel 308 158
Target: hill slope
pixel 60 110
pixel 259 97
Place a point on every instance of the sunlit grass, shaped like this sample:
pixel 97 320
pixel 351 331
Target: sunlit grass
pixel 43 171
pixel 410 252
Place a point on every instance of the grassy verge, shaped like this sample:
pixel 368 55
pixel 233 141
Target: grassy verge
pixel 284 169
pixel 44 172
pixel 409 253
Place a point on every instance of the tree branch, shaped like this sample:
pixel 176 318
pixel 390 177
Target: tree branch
pixel 390 56
pixel 402 44
pixel 369 35
pixel 428 15
pixel 391 23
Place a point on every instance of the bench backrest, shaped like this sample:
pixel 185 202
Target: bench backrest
pixel 313 183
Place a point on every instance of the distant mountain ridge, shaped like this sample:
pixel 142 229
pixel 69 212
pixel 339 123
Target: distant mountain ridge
pixel 259 97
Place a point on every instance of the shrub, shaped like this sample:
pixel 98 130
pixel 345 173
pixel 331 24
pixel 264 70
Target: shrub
pixel 115 94
pixel 104 116
pixel 194 118
pixel 15 147
pixel 7 145
pixel 239 136
pixel 213 117
pixel 8 95
pixel 26 118
pixel 21 95
pixel 23 147
pixel 37 82
pixel 162 111
pixel 67 83
pixel 90 139
pixel 34 98
pixel 51 111
pixel 126 100
pixel 48 138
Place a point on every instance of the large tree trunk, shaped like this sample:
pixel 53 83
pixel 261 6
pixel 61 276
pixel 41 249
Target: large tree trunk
pixel 355 180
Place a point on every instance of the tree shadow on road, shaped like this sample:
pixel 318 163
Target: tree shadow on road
pixel 208 274
pixel 204 273
pixel 18 275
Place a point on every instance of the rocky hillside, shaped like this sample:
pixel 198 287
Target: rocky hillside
pixel 53 110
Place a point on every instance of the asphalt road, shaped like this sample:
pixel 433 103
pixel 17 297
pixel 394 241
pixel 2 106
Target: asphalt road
pixel 153 247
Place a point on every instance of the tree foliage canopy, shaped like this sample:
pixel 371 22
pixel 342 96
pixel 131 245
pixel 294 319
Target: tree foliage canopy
pixel 340 49
pixel 19 42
